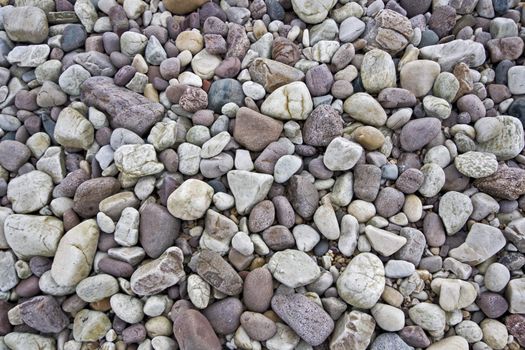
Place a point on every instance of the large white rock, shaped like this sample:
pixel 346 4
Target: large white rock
pixel 384 242
pixel 291 101
pixel 353 331
pixel 482 242
pixel 293 268
pixel 454 209
pixel 342 154
pixel 32 235
pixel 363 281
pixel 137 160
pixel 75 254
pixel 73 130
pixel 190 200
pixel 30 192
pixel 453 52
pixel 248 188
pixel 509 141
pixel 312 11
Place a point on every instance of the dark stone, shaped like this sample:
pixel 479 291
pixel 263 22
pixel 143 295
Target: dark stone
pixel 224 91
pixel 73 37
pixel 158 229
pixel 44 314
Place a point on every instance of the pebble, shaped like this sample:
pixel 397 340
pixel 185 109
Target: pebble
pixel 363 281
pixel 342 154
pixel 290 101
pixel 454 210
pixel 304 316
pixel 248 188
pixel 190 200
pixel 218 273
pixel 482 242
pixel 193 331
pixel 364 108
pixel 258 290
pixel 377 71
pixel 293 268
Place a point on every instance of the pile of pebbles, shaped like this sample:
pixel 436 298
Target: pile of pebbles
pixel 262 174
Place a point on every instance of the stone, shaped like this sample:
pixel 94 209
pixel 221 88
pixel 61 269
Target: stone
pixel 303 196
pixel 378 71
pixel 290 101
pixel 505 183
pixel 351 29
pixel 193 331
pixel 258 290
pixel 90 326
pixel 255 131
pixel 218 273
pixel 204 64
pixel 384 242
pixel 508 143
pixel 418 133
pixel 390 32
pixel 224 315
pixel 190 200
pixel 312 12
pixel 389 318
pixel 453 52
pixel 158 229
pixel 482 242
pixel 90 193
pixel 26 24
pixel 224 91
pixel 96 288
pixel 20 341
pixel 342 154
pixel 364 108
pixel 495 333
pixel 30 192
pixel 492 304
pixel 319 80
pixel 159 274
pixel 322 126
pixel 8 275
pixel 304 316
pixel 248 188
pixel 505 49
pixel 454 209
pixel 476 164
pixel 353 330
pixel 73 130
pixel 258 326
pixel 75 254
pixel 454 293
pixel 126 307
pixel 496 277
pixel 410 180
pixel 13 155
pixel 362 282
pixel 44 314
pixel 454 342
pixel 31 235
pixel 389 341
pixel 514 294
pixel 428 316
pixel 126 109
pixel 419 76
pixel 515 324
pixel 293 268
pixel 72 78
pixel 273 74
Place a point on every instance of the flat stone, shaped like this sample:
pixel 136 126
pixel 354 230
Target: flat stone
pixel 75 254
pixel 449 54
pixel 362 282
pixel 254 130
pixel 26 24
pixel 450 343
pixel 96 288
pixel 193 331
pixel 454 209
pixel 137 160
pixel 248 188
pixel 505 183
pixel 384 242
pixel 429 316
pixel 28 56
pixel 476 164
pixel 44 314
pixel 159 274
pixel 419 76
pixel 31 235
pixel 126 109
pixel 304 316
pixel 482 242
pixel 293 268
pixel 158 229
pixel 273 74
pixel 21 341
pixel 218 273
pixel 29 192
pixel 364 108
pixel 419 132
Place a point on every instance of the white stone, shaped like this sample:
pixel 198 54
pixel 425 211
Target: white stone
pixel 482 242
pixel 326 221
pixel 293 268
pixel 428 316
pixel 248 188
pixel 96 288
pixel 75 253
pixel 127 228
pixel 291 101
pixel 8 276
pixel 189 158
pixel 32 235
pixel 285 167
pixel 215 145
pixel 29 192
pixel 137 160
pixel 253 90
pixel 496 277
pixel 306 237
pixel 342 154
pixel 242 243
pixel 198 291
pixel 384 242
pixel 362 282
pixel 73 130
pixel 204 64
pixel 389 318
pixel 190 200
pixel 454 210
pixel 312 12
